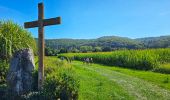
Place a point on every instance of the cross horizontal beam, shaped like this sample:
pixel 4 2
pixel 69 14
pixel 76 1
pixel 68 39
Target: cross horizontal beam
pixel 31 24
pixel 52 21
pixel 46 22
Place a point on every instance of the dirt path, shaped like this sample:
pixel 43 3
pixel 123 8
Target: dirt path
pixel 138 88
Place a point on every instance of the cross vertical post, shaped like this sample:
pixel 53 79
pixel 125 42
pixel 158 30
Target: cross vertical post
pixel 40 23
pixel 40 44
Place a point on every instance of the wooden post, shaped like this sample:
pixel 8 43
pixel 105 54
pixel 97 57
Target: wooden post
pixel 41 45
pixel 40 24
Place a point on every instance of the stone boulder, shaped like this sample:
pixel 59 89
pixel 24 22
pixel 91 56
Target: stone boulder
pixel 19 77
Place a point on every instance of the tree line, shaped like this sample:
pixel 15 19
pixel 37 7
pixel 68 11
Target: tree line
pixel 103 44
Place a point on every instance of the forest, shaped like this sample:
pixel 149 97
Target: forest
pixel 103 44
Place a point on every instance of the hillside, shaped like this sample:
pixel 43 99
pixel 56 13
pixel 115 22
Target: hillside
pixel 155 42
pixel 106 43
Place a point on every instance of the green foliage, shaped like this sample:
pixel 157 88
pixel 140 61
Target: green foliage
pixel 86 48
pixel 155 42
pixel 63 50
pixel 105 49
pixel 51 52
pixel 61 85
pixel 135 59
pixel 108 43
pixel 97 49
pixel 3 71
pixel 89 45
pixel 75 50
pixel 60 80
pixel 35 80
pixel 163 68
pixel 13 37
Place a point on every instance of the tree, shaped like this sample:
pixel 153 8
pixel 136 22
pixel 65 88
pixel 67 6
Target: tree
pixel 74 50
pixel 86 48
pixel 107 49
pixel 63 50
pixel 97 49
pixel 50 52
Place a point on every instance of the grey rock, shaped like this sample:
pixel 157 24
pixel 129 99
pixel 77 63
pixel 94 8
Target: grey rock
pixel 19 77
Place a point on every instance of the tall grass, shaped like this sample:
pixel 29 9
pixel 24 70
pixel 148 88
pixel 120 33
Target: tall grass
pixel 136 59
pixel 12 38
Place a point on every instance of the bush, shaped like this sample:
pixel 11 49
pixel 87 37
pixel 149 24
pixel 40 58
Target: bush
pixel 61 84
pixel 35 80
pixel 3 71
pixel 60 81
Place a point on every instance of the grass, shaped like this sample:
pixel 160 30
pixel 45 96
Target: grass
pixel 155 78
pixel 99 81
pixel 163 68
pixel 94 86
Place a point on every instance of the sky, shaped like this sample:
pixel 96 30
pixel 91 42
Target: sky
pixel 86 19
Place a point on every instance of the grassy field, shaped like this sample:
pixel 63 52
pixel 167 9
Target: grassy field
pixel 101 82
pixel 94 86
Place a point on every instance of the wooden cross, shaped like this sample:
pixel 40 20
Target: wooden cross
pixel 40 23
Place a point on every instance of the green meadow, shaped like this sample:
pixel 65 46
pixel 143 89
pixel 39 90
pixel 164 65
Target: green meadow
pixel 125 74
pixel 102 82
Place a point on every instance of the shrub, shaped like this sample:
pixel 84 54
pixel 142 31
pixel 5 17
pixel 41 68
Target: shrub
pixel 61 84
pixel 35 80
pixel 3 71
pixel 60 81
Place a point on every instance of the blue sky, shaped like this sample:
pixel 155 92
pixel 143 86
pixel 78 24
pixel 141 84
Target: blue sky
pixel 94 18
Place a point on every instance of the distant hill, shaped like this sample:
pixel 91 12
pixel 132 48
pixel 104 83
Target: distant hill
pixel 119 42
pixel 155 42
pixel 107 43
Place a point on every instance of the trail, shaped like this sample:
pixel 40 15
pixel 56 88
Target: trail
pixel 137 88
